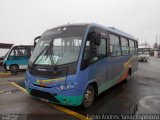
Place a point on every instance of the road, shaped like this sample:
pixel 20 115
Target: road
pixel 141 92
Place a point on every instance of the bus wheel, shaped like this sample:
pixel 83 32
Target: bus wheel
pixel 13 69
pixel 88 97
pixel 128 76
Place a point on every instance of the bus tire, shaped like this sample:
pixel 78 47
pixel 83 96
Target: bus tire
pixel 89 96
pixel 128 76
pixel 13 69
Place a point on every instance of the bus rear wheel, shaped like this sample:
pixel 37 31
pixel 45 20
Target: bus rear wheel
pixel 128 76
pixel 13 69
pixel 89 96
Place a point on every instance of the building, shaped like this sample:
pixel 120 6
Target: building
pixel 157 52
pixel 4 47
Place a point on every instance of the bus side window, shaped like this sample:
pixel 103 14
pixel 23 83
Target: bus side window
pixel 115 48
pixel 12 54
pixel 19 52
pixel 98 52
pixel 93 53
pixel 87 51
pixel 102 48
pixel 125 46
pixel 132 47
pixel 25 53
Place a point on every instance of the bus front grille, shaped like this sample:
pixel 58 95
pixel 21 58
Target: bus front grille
pixel 44 95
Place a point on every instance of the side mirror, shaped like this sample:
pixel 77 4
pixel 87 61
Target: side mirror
pixel 96 38
pixel 35 40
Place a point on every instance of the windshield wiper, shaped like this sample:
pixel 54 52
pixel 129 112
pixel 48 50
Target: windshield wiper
pixel 33 64
pixel 49 52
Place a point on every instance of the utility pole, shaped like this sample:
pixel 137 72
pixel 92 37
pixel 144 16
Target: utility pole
pixel 156 38
pixel 159 42
pixel 155 44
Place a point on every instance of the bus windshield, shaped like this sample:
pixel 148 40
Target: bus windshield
pixel 58 46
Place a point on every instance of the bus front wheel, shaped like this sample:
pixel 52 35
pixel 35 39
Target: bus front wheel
pixel 13 69
pixel 88 98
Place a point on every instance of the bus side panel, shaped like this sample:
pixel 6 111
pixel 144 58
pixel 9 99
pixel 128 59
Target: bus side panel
pixel 21 63
pixel 134 64
pixel 118 70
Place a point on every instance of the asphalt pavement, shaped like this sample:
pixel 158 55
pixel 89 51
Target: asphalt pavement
pixel 140 95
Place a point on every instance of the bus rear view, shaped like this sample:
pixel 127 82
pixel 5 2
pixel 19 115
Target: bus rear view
pixel 72 64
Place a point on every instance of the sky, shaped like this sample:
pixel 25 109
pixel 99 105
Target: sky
pixel 23 20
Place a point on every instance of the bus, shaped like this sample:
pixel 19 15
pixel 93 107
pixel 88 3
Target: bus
pixel 17 58
pixel 72 64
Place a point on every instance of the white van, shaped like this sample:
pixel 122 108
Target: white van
pixel 143 54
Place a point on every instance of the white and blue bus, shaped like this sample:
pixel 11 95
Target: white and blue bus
pixel 72 64
pixel 17 58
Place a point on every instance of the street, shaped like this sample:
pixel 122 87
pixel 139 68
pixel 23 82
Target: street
pixel 140 95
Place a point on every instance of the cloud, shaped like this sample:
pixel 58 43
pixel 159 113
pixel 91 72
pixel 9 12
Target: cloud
pixel 21 21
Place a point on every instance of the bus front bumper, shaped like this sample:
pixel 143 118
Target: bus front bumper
pixel 53 96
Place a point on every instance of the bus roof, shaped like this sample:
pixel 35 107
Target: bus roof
pixel 115 30
pixel 22 45
pixel 110 29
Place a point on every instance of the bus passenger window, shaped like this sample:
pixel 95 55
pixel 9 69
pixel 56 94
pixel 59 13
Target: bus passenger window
pixel 19 52
pixel 114 45
pixel 132 47
pixel 101 50
pixel 136 46
pixel 125 46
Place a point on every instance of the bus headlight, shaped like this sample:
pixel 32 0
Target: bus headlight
pixel 67 86
pixel 27 81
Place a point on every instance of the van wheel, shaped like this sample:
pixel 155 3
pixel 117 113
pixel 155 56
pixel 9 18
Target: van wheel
pixel 88 97
pixel 13 69
pixel 145 60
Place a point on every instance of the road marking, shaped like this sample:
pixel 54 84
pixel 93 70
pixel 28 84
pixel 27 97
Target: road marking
pixel 5 73
pixel 70 112
pixel 21 88
pixel 5 83
pixel 60 108
pixel 13 78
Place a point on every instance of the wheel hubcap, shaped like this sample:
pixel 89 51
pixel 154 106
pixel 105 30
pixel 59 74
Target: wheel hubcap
pixel 14 68
pixel 88 96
